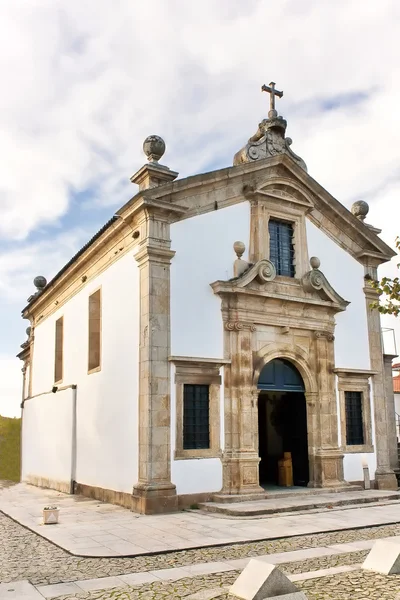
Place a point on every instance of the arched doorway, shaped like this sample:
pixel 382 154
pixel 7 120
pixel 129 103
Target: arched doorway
pixel 282 421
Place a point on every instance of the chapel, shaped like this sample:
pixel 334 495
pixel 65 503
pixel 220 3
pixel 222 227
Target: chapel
pixel 215 324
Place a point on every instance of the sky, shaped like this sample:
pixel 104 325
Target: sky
pixel 83 83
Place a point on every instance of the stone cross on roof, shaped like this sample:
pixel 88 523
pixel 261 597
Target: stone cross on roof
pixel 273 92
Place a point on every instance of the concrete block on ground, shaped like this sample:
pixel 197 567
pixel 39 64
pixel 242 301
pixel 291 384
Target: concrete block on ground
pixel 260 580
pixel 384 557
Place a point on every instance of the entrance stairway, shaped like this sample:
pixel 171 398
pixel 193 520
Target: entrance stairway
pixel 297 500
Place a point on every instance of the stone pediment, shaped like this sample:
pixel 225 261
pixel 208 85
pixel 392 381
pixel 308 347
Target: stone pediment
pixel 268 141
pixel 260 279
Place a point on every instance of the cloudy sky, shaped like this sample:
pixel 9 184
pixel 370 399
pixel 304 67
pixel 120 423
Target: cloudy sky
pixel 84 82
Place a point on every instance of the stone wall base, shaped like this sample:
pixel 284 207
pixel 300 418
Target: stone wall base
pixel 240 473
pixel 328 469
pixel 153 503
pixel 104 495
pixel 49 484
pixel 386 481
pixel 151 499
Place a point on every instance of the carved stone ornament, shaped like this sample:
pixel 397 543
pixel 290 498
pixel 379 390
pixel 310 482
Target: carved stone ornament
pixel 269 140
pixel 266 271
pixel 263 271
pixel 315 281
pixel 239 326
pixel 324 334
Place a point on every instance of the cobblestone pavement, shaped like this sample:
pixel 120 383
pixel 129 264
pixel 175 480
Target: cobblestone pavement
pixel 25 555
pixel 356 585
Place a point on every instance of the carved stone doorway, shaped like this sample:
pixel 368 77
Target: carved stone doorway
pixel 282 422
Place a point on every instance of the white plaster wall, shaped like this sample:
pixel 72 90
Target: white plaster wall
pixel 194 476
pixel 397 403
pixel 346 275
pixel 204 254
pixel 47 437
pixel 107 401
pixel 352 463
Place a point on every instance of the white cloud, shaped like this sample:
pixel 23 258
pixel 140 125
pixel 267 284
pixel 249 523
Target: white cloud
pixel 83 83
pixel 87 81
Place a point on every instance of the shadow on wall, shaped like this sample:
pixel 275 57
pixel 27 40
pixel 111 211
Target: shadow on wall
pixel 10 449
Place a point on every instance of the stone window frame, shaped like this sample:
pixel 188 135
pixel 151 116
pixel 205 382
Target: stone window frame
pixel 198 371
pixel 298 221
pixel 59 350
pixel 98 367
pixel 355 380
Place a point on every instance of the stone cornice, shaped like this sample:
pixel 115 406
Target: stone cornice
pixel 237 182
pixel 263 275
pixel 199 360
pixel 364 373
pixel 154 253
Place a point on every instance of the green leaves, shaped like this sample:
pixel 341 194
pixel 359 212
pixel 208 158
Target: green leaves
pixel 390 289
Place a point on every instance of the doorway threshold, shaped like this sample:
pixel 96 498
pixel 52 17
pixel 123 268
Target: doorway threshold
pixel 308 500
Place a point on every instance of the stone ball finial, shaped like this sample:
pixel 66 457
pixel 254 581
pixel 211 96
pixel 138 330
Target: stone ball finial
pixel 28 331
pixel 239 249
pixel 315 262
pixel 360 209
pixel 154 148
pixel 40 282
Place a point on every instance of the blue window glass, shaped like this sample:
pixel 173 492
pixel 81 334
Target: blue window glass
pixel 196 417
pixel 354 419
pixel 281 251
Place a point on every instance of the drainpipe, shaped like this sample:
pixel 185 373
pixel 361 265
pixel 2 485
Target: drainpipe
pixel 73 439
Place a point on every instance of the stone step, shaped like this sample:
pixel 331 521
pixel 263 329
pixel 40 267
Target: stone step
pixel 300 503
pixel 270 494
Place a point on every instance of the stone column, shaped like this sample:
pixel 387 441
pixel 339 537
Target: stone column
pixel 390 410
pixel 241 459
pixel 259 235
pixel 384 476
pixel 154 492
pixel 328 461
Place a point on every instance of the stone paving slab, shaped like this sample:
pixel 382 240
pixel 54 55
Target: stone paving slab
pixel 19 590
pixel 92 528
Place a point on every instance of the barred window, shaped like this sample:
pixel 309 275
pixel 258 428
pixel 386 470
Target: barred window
pixel 354 419
pixel 281 250
pixel 196 417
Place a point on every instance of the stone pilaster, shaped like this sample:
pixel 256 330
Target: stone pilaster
pixel 390 410
pixel 241 459
pixel 328 459
pixel 154 492
pixel 259 236
pixel 384 475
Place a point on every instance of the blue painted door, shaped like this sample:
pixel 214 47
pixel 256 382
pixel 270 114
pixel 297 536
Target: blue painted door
pixel 280 375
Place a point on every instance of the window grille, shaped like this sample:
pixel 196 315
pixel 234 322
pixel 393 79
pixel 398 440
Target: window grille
pixel 354 419
pixel 196 417
pixel 281 250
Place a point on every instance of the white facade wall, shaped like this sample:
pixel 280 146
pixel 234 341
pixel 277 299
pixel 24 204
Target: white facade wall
pixel 204 254
pixel 346 276
pixel 195 475
pixel 107 400
pixel 397 403
pixel 47 438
